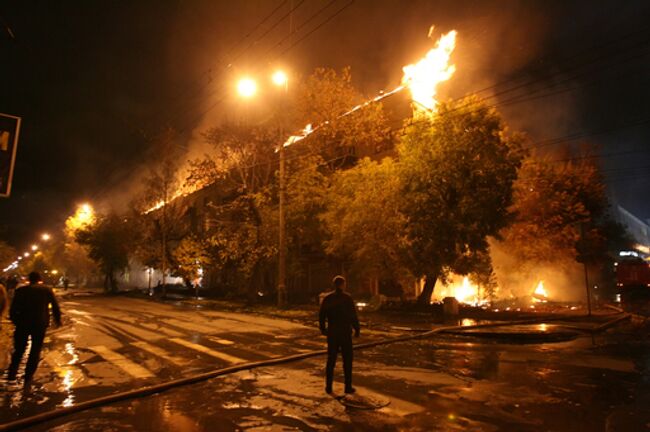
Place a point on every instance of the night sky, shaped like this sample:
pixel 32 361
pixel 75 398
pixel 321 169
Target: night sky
pixel 94 81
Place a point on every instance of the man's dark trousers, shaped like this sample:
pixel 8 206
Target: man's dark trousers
pixel 21 335
pixel 334 344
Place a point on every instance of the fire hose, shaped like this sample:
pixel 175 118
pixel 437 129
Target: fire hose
pixel 159 388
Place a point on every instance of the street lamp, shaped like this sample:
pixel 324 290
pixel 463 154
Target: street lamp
pixel 46 237
pixel 247 87
pixel 34 247
pixel 26 254
pixel 280 79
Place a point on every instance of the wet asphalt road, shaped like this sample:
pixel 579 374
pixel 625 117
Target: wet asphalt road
pixel 443 383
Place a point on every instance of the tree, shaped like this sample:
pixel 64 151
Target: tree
pixel 191 257
pixel 364 221
pixel 457 168
pixel 157 211
pixel 107 242
pixel 242 156
pixel 244 160
pixel 240 248
pixel 326 98
pixel 560 216
pixel 74 259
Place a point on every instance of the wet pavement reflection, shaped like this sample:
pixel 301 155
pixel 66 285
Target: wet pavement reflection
pixel 446 382
pixel 432 385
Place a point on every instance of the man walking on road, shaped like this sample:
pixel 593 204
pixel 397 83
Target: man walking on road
pixel 340 313
pixel 30 314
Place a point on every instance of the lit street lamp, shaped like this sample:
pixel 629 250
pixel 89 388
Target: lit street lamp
pixel 247 87
pixel 280 79
pixel 26 254
pixel 34 247
pixel 46 237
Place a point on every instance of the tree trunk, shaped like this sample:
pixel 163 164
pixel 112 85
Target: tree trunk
pixel 253 284
pixel 425 296
pixel 112 283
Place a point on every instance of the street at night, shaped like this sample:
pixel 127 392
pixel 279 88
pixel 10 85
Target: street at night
pixel 315 215
pixel 445 382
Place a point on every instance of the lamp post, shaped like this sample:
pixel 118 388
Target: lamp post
pixel 280 79
pixel 247 88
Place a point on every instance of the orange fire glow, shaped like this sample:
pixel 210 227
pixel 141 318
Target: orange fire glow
pixel 465 292
pixel 540 295
pixel 421 78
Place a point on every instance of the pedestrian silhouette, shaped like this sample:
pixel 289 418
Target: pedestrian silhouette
pixel 337 319
pixel 30 314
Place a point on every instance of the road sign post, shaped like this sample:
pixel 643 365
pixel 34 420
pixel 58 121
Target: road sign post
pixel 9 130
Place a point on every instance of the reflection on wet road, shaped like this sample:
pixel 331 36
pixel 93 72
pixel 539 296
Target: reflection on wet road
pixel 443 383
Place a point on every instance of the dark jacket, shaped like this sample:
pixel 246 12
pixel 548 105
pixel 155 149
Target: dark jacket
pixel 339 311
pixel 30 307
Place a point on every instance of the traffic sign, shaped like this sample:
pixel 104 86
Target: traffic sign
pixel 9 129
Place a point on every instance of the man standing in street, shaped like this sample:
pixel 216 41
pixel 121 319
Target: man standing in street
pixel 337 319
pixel 30 314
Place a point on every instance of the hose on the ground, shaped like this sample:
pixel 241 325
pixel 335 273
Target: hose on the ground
pixel 158 388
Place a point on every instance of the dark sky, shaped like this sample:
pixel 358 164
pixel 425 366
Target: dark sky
pixel 93 81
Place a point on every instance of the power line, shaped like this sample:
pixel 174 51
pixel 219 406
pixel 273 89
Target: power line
pixel 600 156
pixel 307 21
pixel 331 17
pixel 259 24
pixel 282 18
pixel 516 100
pixel 240 41
pixel 212 106
pixel 597 48
pixel 642 43
pixel 196 118
pixel 221 99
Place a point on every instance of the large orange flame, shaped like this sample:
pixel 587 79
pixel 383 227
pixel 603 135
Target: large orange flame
pixel 465 292
pixel 540 295
pixel 423 77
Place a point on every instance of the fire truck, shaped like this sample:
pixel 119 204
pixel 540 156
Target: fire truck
pixel 633 278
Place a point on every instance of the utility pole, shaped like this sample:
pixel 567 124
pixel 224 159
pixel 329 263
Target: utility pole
pixel 163 229
pixel 282 252
pixel 584 263
pixel 282 240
